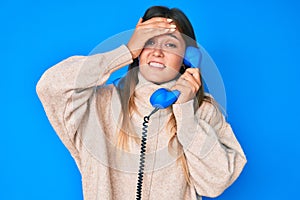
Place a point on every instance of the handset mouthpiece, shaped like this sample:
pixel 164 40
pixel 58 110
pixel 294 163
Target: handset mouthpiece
pixel 163 98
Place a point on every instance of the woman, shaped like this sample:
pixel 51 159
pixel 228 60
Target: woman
pixel 191 150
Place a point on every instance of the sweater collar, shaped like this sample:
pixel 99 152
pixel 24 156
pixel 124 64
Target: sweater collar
pixel 144 89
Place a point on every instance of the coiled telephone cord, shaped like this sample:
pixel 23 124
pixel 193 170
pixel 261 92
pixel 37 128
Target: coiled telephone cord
pixel 143 155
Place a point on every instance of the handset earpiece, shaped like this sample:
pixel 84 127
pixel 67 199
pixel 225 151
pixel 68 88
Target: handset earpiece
pixel 192 57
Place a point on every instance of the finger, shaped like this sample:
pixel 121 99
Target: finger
pixel 139 22
pixel 158 19
pixel 181 81
pixel 153 32
pixel 195 73
pixel 191 81
pixel 179 87
pixel 158 22
pixel 156 25
pixel 184 83
pixel 160 31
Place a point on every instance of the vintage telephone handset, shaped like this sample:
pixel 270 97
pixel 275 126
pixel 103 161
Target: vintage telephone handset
pixel 160 99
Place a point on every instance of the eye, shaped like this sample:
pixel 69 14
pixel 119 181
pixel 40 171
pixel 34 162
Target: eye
pixel 171 45
pixel 149 43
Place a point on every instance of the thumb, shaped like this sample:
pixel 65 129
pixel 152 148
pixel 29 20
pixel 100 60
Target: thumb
pixel 140 21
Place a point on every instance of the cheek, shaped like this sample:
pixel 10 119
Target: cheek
pixel 175 62
pixel 143 57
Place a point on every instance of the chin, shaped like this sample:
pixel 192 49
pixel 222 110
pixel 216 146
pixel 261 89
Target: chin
pixel 155 80
pixel 159 81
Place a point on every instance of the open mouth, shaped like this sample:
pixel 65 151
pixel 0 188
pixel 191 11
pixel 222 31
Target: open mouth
pixel 157 65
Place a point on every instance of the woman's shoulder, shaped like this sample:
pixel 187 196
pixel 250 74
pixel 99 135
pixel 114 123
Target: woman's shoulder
pixel 71 60
pixel 209 110
pixel 106 95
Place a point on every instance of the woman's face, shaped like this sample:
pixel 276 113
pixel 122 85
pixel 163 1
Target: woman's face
pixel 161 58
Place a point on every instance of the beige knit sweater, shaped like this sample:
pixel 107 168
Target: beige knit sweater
pixel 85 115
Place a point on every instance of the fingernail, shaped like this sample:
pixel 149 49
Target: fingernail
pixel 169 20
pixel 172 29
pixel 172 26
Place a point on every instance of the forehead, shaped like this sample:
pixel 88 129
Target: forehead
pixel 175 36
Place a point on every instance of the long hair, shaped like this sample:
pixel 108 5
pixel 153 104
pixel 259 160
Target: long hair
pixel 129 83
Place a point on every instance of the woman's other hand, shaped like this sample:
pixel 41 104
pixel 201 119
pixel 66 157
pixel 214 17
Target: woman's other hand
pixel 188 84
pixel 147 30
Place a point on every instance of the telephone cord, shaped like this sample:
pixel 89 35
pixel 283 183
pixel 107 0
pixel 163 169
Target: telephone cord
pixel 143 155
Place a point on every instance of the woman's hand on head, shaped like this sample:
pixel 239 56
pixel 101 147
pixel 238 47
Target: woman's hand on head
pixel 146 30
pixel 188 84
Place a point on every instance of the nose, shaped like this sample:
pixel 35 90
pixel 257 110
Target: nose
pixel 157 51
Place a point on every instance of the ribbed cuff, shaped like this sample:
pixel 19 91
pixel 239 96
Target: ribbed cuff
pixel 118 57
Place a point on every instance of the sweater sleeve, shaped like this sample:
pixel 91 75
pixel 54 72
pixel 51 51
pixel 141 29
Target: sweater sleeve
pixel 214 156
pixel 66 89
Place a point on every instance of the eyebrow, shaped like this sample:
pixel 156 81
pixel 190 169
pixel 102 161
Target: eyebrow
pixel 172 35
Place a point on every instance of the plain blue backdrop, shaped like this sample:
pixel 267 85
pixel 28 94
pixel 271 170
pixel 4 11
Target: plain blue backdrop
pixel 255 45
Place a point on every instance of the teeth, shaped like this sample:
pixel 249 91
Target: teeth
pixel 155 64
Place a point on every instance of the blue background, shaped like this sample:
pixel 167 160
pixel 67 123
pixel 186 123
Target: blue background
pixel 255 45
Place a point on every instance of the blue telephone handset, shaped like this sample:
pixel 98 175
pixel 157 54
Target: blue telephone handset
pixel 162 98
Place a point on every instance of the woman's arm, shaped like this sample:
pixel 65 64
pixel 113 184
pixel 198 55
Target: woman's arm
pixel 214 156
pixel 66 88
